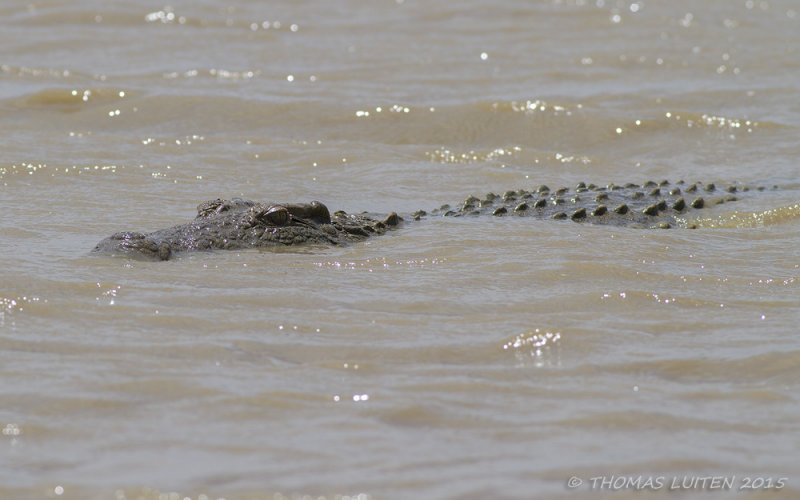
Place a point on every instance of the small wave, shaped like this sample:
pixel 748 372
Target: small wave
pixel 538 347
pixel 39 73
pixel 133 15
pixel 217 73
pixel 73 98
pixel 742 219
pixel 712 122
pixel 777 366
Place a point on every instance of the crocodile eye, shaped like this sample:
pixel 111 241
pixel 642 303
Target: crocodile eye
pixel 276 215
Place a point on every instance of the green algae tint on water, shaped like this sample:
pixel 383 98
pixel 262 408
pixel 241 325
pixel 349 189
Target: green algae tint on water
pixel 453 358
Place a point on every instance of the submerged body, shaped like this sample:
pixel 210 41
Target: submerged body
pixel 650 205
pixel 237 224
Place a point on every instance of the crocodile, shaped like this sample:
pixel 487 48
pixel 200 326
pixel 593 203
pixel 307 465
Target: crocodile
pixel 239 224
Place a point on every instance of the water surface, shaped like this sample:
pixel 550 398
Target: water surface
pixel 453 358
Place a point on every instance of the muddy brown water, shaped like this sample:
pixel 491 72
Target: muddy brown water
pixel 453 358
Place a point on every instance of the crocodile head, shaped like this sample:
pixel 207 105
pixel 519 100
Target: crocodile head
pixel 236 224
